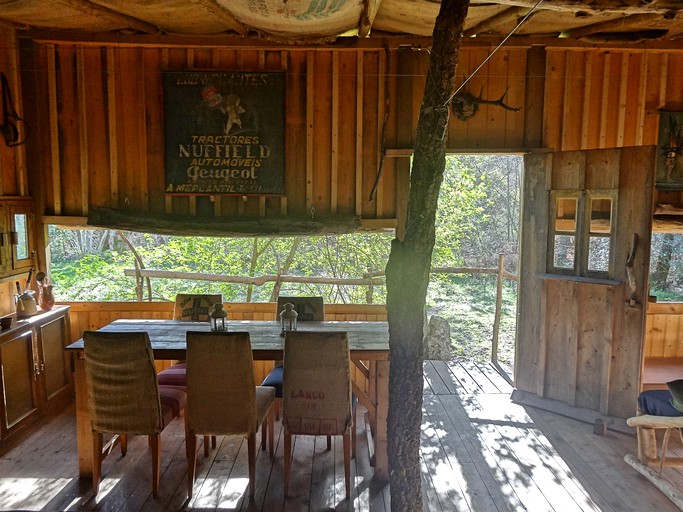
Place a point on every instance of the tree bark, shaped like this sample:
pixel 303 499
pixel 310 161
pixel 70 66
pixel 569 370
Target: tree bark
pixel 410 260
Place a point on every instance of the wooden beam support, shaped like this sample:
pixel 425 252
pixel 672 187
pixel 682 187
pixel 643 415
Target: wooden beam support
pixel 625 24
pixel 53 118
pixel 216 10
pixel 505 16
pixel 225 226
pixel 96 10
pixel 597 6
pixel 367 17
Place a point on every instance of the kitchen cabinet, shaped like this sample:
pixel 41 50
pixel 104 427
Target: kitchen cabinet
pixel 35 372
pixel 17 236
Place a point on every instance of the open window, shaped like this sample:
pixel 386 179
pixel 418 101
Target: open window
pixel 581 234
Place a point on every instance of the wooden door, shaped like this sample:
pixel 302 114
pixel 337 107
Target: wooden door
pixel 583 291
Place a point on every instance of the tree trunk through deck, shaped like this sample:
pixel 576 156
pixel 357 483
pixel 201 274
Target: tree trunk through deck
pixel 407 271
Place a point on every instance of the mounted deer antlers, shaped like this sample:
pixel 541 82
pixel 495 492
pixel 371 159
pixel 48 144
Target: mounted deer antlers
pixel 465 105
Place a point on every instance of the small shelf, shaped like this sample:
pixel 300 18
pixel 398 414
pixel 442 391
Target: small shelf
pixel 579 279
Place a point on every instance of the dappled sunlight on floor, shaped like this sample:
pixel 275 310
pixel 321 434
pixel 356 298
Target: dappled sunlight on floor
pixel 481 451
pixel 16 492
pixel 224 493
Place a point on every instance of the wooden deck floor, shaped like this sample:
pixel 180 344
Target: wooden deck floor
pixel 480 452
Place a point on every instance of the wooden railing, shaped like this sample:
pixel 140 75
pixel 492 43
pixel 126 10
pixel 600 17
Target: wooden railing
pixel 370 279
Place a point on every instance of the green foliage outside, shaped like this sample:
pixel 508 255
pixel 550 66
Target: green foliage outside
pixel 666 267
pixel 478 218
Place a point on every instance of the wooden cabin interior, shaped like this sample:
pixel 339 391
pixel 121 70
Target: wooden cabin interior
pixel 585 87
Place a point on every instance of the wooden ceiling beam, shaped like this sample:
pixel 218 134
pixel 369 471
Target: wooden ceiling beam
pixel 511 13
pixel 595 6
pixel 215 9
pixel 93 9
pixel 367 17
pixel 625 24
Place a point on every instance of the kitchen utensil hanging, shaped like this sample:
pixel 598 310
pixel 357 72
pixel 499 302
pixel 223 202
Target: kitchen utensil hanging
pixel 11 121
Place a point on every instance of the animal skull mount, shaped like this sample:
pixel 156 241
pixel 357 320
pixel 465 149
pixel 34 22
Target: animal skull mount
pixel 464 105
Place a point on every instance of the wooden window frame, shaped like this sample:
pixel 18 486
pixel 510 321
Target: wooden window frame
pixel 582 232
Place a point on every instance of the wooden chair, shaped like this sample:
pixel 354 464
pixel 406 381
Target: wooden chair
pixel 124 397
pixel 317 392
pixel 194 307
pixel 229 405
pixel 188 307
pixel 309 309
pixel 658 410
pixel 649 454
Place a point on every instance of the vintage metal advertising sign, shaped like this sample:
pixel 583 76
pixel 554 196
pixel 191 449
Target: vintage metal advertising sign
pixel 224 133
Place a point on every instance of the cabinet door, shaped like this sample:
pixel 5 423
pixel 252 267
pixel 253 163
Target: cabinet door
pixel 54 362
pixel 21 224
pixel 5 241
pixel 19 382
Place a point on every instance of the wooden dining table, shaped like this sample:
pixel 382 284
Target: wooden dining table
pixel 369 349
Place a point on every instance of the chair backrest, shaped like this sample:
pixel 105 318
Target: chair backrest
pixel 309 309
pixel 316 394
pixel 123 394
pixel 221 392
pixel 194 307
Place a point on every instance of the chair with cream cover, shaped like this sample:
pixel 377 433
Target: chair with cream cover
pixel 309 309
pixel 190 307
pixel 317 392
pixel 124 397
pixel 229 405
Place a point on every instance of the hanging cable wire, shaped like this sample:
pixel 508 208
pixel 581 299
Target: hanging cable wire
pixel 521 22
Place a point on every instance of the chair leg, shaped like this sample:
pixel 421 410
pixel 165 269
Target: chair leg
pixel 347 464
pixel 353 436
pixel 271 432
pixel 647 444
pixel 155 442
pixel 251 445
pixel 278 402
pixel 123 439
pixel 665 447
pixel 264 432
pixel 288 461
pixel 329 443
pixel 97 441
pixel 191 451
pixel 206 445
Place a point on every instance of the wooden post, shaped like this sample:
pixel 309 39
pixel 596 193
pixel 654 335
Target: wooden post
pixel 499 299
pixel 368 294
pixel 138 282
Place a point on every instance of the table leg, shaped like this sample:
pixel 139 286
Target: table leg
pixel 83 427
pixel 382 390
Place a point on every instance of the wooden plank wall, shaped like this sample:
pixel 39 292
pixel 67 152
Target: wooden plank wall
pixel 100 111
pixel 604 98
pixel 664 330
pixel 93 315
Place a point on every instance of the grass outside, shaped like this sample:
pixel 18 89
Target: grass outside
pixel 468 304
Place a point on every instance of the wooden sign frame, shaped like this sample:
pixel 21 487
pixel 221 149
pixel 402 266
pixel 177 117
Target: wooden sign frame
pixel 224 133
